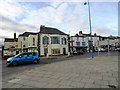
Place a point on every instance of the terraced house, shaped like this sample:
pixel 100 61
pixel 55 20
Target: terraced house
pixel 27 42
pixel 53 41
pixel 10 46
pixel 81 42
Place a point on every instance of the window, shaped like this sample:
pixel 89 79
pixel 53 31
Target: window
pixel 55 40
pixel 64 41
pixel 23 45
pixel 55 51
pixel 34 54
pixel 23 38
pixel 33 41
pixel 30 54
pixel 77 43
pixel 24 54
pixel 83 43
pixel 77 38
pixel 83 38
pixel 45 40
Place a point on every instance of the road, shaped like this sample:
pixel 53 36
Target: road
pixel 11 71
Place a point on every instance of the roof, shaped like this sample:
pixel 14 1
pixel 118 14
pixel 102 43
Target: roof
pixel 48 30
pixel 27 34
pixel 10 40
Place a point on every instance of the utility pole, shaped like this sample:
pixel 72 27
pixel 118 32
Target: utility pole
pixel 69 45
pixel 108 46
pixel 98 47
pixel 91 41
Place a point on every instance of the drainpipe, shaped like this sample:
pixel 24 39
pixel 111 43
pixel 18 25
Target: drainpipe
pixel 108 47
pixel 68 45
pixel 39 43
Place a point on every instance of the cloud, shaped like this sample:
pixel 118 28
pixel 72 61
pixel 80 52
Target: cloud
pixel 66 16
pixel 9 9
pixel 9 27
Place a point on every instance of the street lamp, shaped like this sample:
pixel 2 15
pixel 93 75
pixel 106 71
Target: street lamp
pixel 91 41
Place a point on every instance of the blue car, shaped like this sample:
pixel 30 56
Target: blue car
pixel 25 57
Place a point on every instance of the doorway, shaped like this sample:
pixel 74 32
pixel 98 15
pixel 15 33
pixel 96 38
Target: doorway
pixel 64 51
pixel 45 51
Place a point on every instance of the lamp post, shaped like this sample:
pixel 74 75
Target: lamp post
pixel 91 41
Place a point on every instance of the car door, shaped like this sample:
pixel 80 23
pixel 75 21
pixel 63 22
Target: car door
pixel 30 57
pixel 21 58
pixel 24 57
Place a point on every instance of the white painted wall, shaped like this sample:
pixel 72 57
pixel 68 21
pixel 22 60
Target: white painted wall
pixel 30 40
pixel 24 42
pixel 111 42
pixel 80 39
pixel 53 46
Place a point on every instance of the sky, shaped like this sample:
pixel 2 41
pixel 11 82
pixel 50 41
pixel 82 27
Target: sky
pixel 69 16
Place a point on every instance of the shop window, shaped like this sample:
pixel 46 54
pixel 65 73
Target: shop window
pixel 55 51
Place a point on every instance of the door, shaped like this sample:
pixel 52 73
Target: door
pixel 64 51
pixel 45 51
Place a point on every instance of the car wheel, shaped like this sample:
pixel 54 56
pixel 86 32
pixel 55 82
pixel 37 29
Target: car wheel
pixel 15 63
pixel 35 61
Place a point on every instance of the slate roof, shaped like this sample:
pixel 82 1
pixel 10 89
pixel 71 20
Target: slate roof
pixel 27 34
pixel 48 30
pixel 10 40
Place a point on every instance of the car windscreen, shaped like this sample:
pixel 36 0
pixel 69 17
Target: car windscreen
pixel 17 55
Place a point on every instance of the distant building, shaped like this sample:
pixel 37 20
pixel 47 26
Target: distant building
pixel 78 43
pixel 112 41
pixel 11 46
pixel 82 41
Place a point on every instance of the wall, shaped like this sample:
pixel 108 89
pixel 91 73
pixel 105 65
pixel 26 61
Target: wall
pixel 52 46
pixel 30 40
pixel 24 42
pixel 80 39
pixel 9 44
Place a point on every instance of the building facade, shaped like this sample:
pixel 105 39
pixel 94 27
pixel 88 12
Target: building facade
pixel 112 41
pixel 27 42
pixel 10 46
pixel 78 44
pixel 53 41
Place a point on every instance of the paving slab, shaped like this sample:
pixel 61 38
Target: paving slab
pixel 77 73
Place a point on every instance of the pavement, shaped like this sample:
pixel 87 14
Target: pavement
pixel 70 73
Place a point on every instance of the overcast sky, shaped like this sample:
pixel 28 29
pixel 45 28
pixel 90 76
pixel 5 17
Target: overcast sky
pixel 69 17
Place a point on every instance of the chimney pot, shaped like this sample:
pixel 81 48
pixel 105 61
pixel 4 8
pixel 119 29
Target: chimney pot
pixel 14 35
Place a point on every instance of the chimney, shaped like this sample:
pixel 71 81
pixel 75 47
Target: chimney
pixel 110 36
pixel 80 33
pixel 95 34
pixel 41 27
pixel 14 35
